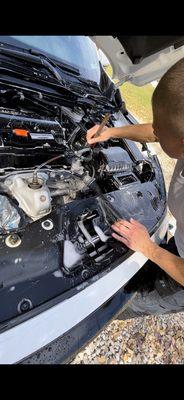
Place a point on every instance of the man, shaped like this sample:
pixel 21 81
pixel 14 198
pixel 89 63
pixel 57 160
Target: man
pixel 168 129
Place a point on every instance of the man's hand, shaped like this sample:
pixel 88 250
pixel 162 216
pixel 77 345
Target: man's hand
pixel 105 134
pixel 137 238
pixel 133 234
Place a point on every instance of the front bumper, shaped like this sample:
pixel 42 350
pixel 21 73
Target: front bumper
pixel 67 346
pixel 66 318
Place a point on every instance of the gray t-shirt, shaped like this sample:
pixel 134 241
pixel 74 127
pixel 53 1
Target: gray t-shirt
pixel 176 204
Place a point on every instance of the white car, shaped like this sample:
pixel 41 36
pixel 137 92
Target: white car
pixel 62 275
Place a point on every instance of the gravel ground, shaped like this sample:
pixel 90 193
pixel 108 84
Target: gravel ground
pixel 144 340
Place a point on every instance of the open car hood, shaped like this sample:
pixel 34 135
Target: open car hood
pixel 140 59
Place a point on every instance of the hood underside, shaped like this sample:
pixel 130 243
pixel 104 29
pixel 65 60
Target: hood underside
pixel 140 59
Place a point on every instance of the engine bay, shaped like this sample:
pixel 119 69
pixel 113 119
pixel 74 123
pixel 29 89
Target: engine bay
pixel 59 196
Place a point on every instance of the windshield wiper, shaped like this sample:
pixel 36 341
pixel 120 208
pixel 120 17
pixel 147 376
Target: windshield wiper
pixel 37 58
pixel 32 58
pixel 49 64
pixel 59 64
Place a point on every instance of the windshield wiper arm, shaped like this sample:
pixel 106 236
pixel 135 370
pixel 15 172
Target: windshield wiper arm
pixel 34 58
pixel 39 58
pixel 49 64
pixel 59 64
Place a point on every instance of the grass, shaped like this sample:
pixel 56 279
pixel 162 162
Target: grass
pixel 137 99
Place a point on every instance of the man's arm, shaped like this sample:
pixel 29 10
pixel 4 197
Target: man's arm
pixel 173 265
pixel 138 133
pixel 136 237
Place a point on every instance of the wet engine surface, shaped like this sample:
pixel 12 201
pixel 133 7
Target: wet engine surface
pixel 59 197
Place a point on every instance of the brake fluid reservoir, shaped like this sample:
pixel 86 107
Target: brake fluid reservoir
pixel 35 202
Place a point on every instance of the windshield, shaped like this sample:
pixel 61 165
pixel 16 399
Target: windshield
pixel 80 51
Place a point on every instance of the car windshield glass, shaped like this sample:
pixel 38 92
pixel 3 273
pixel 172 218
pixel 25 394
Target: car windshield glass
pixel 80 51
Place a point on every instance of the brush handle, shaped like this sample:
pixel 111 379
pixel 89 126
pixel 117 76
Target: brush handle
pixel 103 123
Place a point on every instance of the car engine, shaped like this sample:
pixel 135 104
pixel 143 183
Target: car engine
pixel 43 161
pixel 59 196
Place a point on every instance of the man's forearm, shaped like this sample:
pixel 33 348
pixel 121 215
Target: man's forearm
pixel 173 265
pixel 138 133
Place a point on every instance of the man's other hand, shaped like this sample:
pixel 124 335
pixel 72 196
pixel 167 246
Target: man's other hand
pixel 133 234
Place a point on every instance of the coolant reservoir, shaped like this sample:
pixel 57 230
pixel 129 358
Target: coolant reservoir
pixel 36 202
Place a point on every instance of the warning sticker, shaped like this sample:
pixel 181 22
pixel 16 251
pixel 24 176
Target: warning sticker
pixel 41 136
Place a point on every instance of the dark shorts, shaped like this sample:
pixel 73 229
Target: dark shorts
pixel 157 292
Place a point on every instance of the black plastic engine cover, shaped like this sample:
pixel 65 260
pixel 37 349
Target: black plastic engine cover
pixel 115 156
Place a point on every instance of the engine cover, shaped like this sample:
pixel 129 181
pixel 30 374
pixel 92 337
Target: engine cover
pixel 115 159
